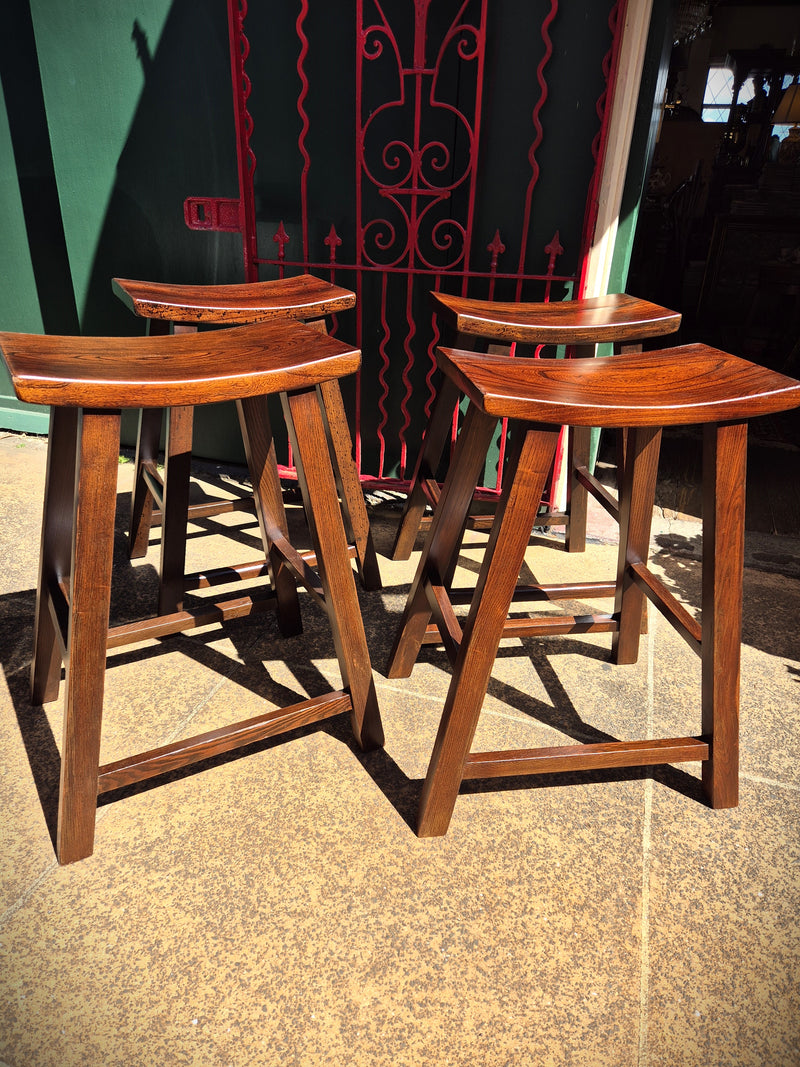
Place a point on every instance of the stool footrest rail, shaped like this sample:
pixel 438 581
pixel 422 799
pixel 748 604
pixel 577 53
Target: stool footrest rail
pixel 202 746
pixel 585 757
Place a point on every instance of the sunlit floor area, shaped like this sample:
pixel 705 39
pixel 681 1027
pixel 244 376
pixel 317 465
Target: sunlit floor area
pixel 277 907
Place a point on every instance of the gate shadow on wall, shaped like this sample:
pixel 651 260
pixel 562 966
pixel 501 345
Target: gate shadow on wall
pixel 182 132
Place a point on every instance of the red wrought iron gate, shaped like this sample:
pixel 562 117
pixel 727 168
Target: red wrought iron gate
pixel 412 145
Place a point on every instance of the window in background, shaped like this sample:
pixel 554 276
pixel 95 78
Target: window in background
pixel 718 96
pixel 783 131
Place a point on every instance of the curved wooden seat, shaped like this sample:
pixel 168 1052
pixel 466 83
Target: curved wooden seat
pixel 593 320
pixel 643 392
pixel 617 318
pixel 171 371
pixel 686 385
pixel 88 381
pixel 172 307
pixel 302 297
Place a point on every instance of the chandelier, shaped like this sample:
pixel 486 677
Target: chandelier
pixel 692 17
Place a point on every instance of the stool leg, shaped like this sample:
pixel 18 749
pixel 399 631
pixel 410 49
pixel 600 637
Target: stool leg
pixel 92 555
pixel 148 438
pixel 579 447
pixel 433 444
pixel 444 537
pixel 56 549
pixel 259 448
pixel 578 507
pixel 529 468
pixel 323 512
pixel 636 499
pixel 724 461
pixel 350 491
pixel 175 509
pixel 348 483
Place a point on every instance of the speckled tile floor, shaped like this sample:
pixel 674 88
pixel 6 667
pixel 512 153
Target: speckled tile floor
pixel 277 908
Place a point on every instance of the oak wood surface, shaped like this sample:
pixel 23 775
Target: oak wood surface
pixel 259 447
pixel 443 540
pixel 178 308
pixel 529 466
pixel 174 508
pixel 605 754
pixel 307 433
pixel 92 555
pixel 188 750
pixel 637 497
pixel 724 463
pixel 55 550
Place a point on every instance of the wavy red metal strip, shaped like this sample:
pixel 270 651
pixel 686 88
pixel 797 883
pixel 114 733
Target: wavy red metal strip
pixel 526 220
pixel 305 124
pixel 382 245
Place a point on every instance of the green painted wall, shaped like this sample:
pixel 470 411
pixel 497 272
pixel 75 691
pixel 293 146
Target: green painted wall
pixel 19 307
pixel 93 73
pixel 112 114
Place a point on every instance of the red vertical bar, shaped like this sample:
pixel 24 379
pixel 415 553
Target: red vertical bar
pixel 359 209
pixel 476 138
pixel 246 160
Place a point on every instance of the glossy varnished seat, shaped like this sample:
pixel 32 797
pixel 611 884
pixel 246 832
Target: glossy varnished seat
pixel 691 384
pixel 623 320
pixel 88 382
pixel 303 297
pixel 181 308
pixel 559 322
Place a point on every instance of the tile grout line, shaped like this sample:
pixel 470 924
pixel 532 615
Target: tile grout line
pixel 435 698
pixel 644 973
pixel 761 780
pixel 24 897
pixel 644 976
pixel 180 727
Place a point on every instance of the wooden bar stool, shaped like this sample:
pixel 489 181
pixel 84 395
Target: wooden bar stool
pixel 179 309
pixel 583 324
pixel 87 381
pixel 692 384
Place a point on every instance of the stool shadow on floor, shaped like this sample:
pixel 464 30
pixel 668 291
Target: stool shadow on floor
pixel 251 645
pixel 560 713
pixel 134 594
pixel 16 651
pixel 769 609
